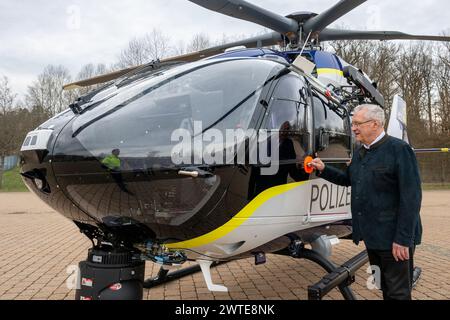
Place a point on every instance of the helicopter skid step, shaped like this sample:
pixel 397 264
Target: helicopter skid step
pixel 203 265
pixel 206 270
pixel 165 276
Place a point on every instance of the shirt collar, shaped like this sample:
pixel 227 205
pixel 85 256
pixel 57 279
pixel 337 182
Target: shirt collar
pixel 381 136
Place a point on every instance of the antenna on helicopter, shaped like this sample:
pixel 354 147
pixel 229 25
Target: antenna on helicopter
pixel 306 43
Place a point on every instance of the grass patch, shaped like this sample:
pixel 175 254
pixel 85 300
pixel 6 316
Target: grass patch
pixel 436 186
pixel 12 182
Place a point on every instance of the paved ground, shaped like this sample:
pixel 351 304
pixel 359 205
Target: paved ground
pixel 37 246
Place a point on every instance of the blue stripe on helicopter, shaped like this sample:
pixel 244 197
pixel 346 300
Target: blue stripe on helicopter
pixel 249 53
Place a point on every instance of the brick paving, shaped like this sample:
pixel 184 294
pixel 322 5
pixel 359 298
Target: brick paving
pixel 37 246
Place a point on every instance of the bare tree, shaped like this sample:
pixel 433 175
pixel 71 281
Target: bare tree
pixel 89 71
pixel 7 127
pixel 152 46
pixel 382 70
pixel 157 45
pixel 199 42
pixel 6 95
pixel 47 93
pixel 179 48
pixel 417 80
pixel 356 53
pixel 443 88
pixel 135 54
pixel 429 82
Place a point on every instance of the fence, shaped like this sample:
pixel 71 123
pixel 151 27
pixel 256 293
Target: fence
pixel 10 162
pixel 434 167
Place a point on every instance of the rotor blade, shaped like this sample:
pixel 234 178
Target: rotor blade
pixel 99 79
pixel 120 73
pixel 323 20
pixel 249 12
pixel 265 40
pixel 336 34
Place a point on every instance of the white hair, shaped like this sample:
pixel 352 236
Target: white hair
pixel 373 112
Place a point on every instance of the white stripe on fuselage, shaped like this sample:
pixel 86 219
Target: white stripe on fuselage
pixel 312 204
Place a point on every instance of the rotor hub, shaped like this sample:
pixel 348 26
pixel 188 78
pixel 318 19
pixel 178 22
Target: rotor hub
pixel 302 16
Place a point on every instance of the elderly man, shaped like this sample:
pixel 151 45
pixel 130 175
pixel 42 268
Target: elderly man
pixel 386 199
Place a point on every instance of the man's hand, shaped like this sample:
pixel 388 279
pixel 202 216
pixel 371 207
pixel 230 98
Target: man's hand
pixel 318 164
pixel 400 253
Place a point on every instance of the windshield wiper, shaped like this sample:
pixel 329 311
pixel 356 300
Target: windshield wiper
pixel 149 69
pixel 156 69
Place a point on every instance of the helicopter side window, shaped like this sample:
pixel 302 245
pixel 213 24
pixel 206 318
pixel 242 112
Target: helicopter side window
pixel 283 111
pixel 332 131
pixel 287 104
pixel 27 142
pixel 288 113
pixel 287 117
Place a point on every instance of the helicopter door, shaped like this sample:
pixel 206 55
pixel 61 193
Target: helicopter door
pixel 332 132
pixel 287 116
pixel 286 120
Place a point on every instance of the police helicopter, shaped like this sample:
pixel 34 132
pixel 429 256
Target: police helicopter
pixel 110 162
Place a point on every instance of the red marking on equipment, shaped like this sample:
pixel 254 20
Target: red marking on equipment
pixel 307 165
pixel 87 282
pixel 328 94
pixel 86 298
pixel 116 287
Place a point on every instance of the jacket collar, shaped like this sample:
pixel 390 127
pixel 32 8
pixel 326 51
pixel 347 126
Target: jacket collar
pixel 363 151
pixel 381 136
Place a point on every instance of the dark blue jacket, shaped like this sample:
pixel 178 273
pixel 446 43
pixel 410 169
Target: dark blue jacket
pixel 386 194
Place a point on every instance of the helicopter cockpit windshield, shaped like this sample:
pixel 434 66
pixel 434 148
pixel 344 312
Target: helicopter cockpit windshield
pixel 221 94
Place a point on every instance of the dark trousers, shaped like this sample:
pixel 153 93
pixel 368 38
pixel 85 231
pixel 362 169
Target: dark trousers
pixel 396 277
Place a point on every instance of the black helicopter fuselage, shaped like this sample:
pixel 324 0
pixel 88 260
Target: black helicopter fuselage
pixel 111 165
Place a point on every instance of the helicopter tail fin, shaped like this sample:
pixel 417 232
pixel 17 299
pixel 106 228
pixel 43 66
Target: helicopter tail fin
pixel 398 121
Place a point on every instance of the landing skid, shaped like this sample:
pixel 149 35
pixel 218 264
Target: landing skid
pixel 416 276
pixel 338 276
pixel 341 277
pixel 164 276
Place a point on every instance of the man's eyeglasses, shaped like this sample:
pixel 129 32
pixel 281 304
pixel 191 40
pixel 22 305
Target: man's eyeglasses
pixel 359 124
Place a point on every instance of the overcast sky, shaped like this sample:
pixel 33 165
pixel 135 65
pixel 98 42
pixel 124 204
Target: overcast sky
pixel 35 33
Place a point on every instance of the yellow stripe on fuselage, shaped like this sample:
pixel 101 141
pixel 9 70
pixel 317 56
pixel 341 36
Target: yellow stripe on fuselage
pixel 237 220
pixel 445 149
pixel 330 71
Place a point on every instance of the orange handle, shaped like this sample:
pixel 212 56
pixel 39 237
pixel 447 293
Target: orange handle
pixel 307 165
